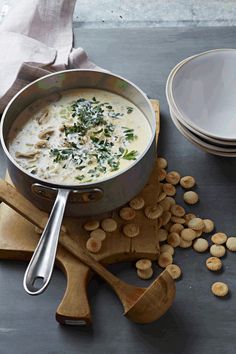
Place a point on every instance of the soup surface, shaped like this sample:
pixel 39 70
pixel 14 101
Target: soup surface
pixel 78 136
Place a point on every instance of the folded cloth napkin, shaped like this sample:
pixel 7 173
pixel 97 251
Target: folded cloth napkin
pixel 36 39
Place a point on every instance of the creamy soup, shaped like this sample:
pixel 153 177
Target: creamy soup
pixel 78 136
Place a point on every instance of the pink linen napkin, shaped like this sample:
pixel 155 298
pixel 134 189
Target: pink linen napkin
pixel 36 39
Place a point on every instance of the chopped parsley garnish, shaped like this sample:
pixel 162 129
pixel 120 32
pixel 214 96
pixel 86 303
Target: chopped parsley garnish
pixel 94 139
pixel 80 178
pixel 76 128
pixel 61 154
pixel 98 131
pixel 129 134
pixel 109 130
pixel 80 167
pixel 90 141
pixel 129 110
pixel 130 155
pixel 115 115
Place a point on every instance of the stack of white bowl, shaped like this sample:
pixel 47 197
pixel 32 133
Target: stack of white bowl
pixel 201 93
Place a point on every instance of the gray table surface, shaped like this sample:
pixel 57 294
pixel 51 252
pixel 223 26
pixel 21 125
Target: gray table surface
pixel 197 322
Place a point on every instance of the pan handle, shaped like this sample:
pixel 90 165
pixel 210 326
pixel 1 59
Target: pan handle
pixel 39 270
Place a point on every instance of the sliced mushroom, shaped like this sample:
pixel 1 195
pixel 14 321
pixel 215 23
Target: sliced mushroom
pixel 84 139
pixel 43 117
pixel 46 133
pixel 66 143
pixel 27 154
pixel 62 128
pixel 41 144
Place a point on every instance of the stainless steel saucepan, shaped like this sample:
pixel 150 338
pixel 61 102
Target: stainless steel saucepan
pixel 85 198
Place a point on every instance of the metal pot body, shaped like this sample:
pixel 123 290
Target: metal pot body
pixel 90 198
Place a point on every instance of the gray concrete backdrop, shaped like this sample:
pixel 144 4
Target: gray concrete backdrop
pixel 147 13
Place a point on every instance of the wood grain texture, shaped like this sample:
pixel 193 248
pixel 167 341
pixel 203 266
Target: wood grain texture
pixel 18 240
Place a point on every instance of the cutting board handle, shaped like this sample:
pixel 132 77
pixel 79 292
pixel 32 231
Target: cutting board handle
pixel 74 308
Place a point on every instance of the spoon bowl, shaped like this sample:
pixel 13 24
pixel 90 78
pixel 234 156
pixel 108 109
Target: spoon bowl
pixel 154 301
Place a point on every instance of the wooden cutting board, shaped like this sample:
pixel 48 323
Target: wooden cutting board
pixel 18 240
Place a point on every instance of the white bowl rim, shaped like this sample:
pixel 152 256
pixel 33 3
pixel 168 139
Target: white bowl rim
pixel 201 146
pixel 199 134
pixel 198 140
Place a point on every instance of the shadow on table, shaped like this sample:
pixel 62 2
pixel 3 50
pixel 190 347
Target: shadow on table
pixel 167 335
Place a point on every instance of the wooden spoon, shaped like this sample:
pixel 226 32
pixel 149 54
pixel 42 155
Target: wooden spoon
pixel 142 305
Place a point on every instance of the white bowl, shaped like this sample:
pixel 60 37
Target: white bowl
pixel 218 142
pixel 199 143
pixel 202 90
